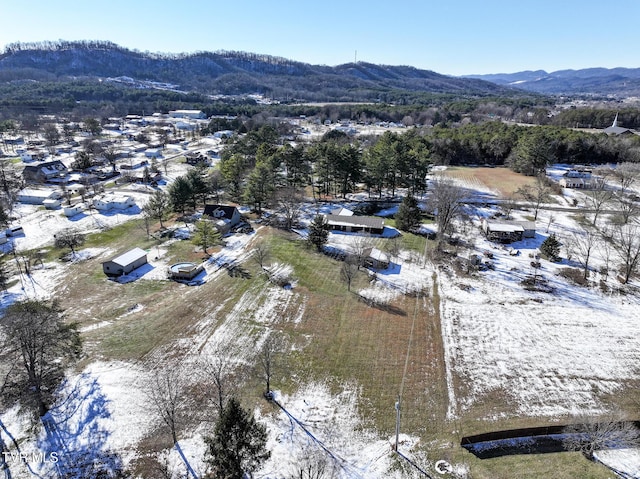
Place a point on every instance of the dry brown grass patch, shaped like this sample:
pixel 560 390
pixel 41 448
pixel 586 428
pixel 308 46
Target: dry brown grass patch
pixel 502 180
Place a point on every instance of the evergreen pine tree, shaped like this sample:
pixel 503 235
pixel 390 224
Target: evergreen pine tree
pixel 408 215
pixel 238 446
pixel 318 232
pixel 550 248
pixel 206 234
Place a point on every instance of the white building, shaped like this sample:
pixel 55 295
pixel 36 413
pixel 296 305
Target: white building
pixel 113 202
pixel 34 196
pixel 193 114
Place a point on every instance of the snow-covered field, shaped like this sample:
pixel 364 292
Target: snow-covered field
pixel 549 354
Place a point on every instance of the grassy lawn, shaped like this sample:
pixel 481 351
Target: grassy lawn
pixel 340 341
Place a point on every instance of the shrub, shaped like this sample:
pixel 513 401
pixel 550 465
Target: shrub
pixel 574 275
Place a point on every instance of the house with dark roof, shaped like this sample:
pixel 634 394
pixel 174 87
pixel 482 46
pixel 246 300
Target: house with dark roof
pixel 43 172
pixel 225 217
pixel 356 224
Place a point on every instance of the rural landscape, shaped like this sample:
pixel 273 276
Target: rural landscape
pixel 397 274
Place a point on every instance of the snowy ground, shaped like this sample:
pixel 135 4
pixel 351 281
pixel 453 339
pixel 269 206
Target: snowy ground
pixel 550 354
pixel 553 353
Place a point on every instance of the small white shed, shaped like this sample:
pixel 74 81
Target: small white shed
pixel 70 211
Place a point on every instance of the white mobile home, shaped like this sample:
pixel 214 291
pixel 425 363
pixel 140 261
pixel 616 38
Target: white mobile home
pixel 35 196
pixel 113 202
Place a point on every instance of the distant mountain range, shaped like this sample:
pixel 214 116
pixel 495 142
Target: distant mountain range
pixel 619 82
pixel 233 73
pixel 239 73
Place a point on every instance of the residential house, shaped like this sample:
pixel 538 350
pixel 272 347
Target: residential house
pixel 113 202
pixel 193 114
pixel 196 158
pixel 355 224
pixel 125 263
pixel 43 172
pixel 35 196
pixel 153 153
pixel 508 231
pixel 580 178
pixel 225 217
pixel 24 155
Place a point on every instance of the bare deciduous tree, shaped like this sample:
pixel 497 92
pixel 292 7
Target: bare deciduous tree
pixel 627 210
pixel 605 249
pixel 289 206
pixel 446 200
pixel 598 198
pixel 313 464
pixel 166 392
pixel 393 246
pixel 625 175
pixel 261 253
pixel 358 249
pixel 37 338
pixel 589 435
pixel 507 206
pixel 626 243
pixel 537 194
pixel 348 271
pixel 582 245
pixel 222 377
pixel 267 358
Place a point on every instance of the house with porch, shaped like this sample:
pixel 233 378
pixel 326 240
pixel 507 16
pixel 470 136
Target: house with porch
pixel 508 231
pixel 355 224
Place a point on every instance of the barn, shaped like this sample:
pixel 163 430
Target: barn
pixel 125 263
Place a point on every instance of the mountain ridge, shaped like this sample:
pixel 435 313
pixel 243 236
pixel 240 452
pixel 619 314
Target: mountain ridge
pixel 619 81
pixel 232 73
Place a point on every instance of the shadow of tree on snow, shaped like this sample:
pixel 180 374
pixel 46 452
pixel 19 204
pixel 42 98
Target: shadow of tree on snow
pixel 75 430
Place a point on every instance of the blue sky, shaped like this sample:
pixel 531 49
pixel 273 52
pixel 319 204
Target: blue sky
pixel 454 37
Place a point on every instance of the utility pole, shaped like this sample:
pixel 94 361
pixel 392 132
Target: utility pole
pixel 397 422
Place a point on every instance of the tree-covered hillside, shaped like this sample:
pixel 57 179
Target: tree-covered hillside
pixel 233 73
